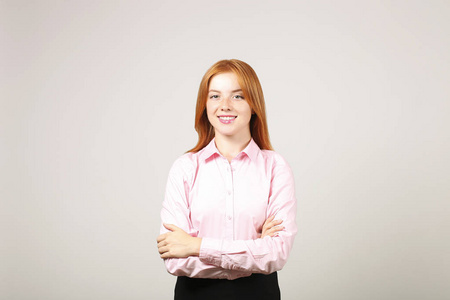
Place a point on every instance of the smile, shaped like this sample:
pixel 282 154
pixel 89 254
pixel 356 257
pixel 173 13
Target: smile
pixel 226 119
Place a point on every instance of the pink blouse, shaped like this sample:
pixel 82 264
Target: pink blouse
pixel 226 204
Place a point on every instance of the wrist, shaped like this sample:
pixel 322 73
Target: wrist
pixel 197 243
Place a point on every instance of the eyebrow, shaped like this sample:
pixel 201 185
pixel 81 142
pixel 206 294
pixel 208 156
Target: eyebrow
pixel 239 90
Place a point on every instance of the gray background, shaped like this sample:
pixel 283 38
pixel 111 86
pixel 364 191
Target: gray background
pixel 98 99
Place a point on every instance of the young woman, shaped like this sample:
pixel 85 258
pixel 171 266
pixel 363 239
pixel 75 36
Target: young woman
pixel 228 217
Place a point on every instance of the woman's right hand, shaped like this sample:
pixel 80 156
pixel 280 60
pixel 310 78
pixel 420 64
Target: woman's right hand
pixel 271 227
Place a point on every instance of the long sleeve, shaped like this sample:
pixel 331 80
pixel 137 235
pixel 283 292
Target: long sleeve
pixel 176 211
pixel 260 255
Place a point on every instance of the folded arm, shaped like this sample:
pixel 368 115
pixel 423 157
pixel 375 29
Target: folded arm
pixel 175 211
pixel 268 254
pixel 230 259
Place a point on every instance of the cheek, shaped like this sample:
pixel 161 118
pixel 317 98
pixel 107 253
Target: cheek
pixel 210 111
pixel 247 111
pixel 209 106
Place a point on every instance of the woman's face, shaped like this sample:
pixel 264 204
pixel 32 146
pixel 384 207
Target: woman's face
pixel 227 110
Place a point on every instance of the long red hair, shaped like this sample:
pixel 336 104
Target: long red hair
pixel 251 87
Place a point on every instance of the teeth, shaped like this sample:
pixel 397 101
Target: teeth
pixel 227 118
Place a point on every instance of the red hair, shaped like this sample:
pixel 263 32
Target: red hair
pixel 251 87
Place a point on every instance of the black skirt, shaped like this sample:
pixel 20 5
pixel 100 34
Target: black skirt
pixel 256 286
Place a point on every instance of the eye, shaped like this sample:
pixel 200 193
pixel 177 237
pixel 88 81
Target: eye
pixel 239 97
pixel 214 97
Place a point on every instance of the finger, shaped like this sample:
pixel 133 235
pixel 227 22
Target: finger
pixel 276 228
pixel 269 219
pixel 162 244
pixel 170 227
pixel 268 222
pixel 272 224
pixel 277 222
pixel 167 254
pixel 163 250
pixel 161 237
pixel 273 230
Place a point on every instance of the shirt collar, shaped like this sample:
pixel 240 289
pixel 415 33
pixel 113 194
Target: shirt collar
pixel 251 150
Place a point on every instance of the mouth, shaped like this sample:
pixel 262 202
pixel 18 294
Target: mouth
pixel 227 119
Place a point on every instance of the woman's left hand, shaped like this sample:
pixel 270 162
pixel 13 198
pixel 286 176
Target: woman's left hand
pixel 177 243
pixel 271 227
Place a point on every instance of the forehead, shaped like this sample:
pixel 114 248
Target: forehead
pixel 224 82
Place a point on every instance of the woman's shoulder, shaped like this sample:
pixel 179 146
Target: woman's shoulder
pixel 277 165
pixel 273 157
pixel 186 162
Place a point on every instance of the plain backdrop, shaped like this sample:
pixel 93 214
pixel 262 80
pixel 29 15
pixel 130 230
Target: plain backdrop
pixel 98 100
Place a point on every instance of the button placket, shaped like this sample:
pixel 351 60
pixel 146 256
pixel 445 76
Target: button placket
pixel 229 201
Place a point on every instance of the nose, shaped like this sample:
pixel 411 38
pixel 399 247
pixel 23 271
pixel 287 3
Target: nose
pixel 226 104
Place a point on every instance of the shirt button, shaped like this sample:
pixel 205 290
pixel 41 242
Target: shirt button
pixel 229 218
pixel 229 192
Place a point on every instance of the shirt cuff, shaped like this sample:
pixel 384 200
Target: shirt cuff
pixel 210 251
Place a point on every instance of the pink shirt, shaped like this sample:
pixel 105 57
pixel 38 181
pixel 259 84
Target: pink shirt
pixel 226 204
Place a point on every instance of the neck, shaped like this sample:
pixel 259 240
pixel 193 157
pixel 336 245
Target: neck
pixel 229 147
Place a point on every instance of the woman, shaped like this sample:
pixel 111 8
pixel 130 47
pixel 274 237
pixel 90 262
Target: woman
pixel 228 217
